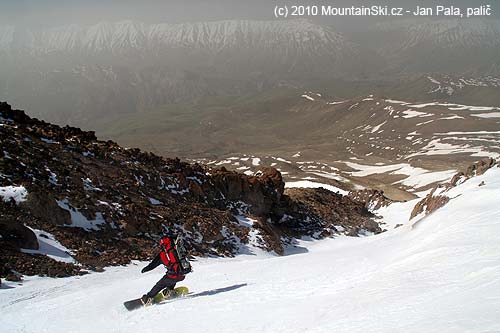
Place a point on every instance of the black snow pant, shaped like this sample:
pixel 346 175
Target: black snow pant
pixel 164 282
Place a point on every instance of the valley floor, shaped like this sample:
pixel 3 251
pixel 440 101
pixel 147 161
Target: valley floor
pixel 439 275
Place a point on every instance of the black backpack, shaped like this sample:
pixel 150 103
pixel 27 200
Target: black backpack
pixel 181 256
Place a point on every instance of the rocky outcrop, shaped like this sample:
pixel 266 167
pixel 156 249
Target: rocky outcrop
pixel 322 213
pixel 14 232
pixel 475 169
pixel 372 199
pixel 43 206
pixel 110 205
pixel 262 191
pixel 429 204
pixel 13 264
pixel 437 198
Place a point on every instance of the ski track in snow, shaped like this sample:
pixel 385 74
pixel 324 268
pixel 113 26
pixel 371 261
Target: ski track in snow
pixel 439 275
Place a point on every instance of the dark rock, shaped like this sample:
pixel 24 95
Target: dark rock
pixel 319 211
pixel 44 206
pixel 261 192
pixel 13 231
pixel 14 277
pixel 372 199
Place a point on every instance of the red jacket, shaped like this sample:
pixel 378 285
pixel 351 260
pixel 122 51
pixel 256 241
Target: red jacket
pixel 168 259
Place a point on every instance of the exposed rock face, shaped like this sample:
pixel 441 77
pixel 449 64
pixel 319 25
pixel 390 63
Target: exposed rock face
pixel 13 262
pixel 262 192
pixel 429 204
pixel 475 169
pixel 110 205
pixel 43 206
pixel 437 198
pixel 373 199
pixel 324 213
pixel 14 232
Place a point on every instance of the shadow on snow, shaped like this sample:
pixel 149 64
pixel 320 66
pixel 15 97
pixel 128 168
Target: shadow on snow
pixel 218 290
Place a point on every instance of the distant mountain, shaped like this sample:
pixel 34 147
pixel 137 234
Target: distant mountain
pixel 226 46
pixel 446 46
pixel 76 74
pixel 463 89
pixel 287 37
pixel 130 66
pixel 448 33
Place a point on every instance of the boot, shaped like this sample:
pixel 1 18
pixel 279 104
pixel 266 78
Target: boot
pixel 146 300
pixel 167 293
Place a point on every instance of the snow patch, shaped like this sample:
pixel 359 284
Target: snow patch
pixel 78 220
pixel 412 114
pixel 436 147
pixel 18 193
pixel 417 177
pixel 154 201
pixel 308 97
pixel 310 184
pixel 49 246
pixel 88 186
pixel 49 141
pixel 376 128
pixel 487 115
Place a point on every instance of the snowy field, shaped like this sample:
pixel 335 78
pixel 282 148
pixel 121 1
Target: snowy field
pixel 441 274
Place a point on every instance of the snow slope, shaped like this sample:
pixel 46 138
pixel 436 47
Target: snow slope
pixel 439 275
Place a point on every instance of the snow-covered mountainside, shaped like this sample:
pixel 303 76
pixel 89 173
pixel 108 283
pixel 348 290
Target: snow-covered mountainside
pixel 286 37
pixel 449 33
pixel 436 274
pixel 446 84
pixel 449 46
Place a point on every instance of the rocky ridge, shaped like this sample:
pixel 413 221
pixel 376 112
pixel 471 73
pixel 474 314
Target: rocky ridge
pixel 437 198
pixel 108 205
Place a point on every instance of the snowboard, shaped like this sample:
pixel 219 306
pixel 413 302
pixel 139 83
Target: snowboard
pixel 176 293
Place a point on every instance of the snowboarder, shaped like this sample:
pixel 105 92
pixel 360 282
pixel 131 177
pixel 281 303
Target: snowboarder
pixel 172 256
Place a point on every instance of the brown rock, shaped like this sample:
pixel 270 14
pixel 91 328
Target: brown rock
pixel 13 231
pixel 372 199
pixel 44 206
pixel 457 178
pixel 13 277
pixel 429 204
pixel 479 167
pixel 261 192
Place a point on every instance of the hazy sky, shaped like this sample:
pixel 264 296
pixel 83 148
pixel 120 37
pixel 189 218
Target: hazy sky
pixel 61 12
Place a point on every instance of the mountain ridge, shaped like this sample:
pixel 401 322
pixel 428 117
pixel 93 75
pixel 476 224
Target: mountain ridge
pixel 109 205
pixel 133 34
